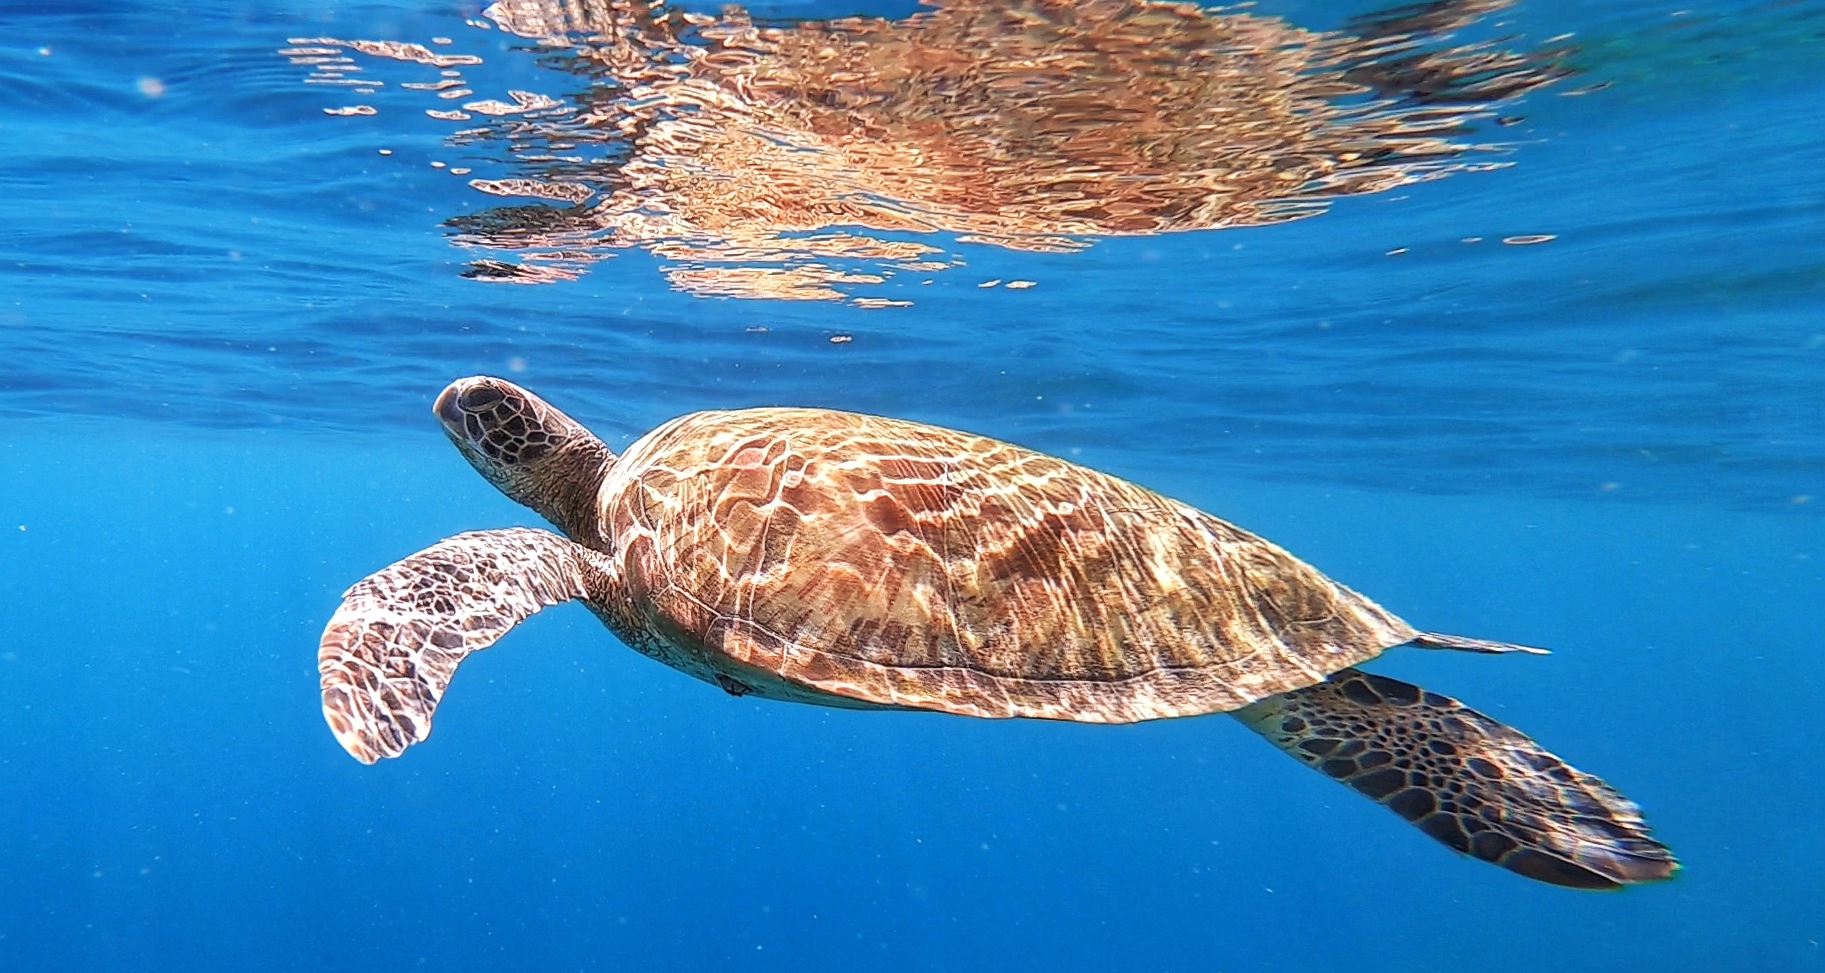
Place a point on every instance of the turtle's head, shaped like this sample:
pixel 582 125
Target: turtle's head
pixel 531 451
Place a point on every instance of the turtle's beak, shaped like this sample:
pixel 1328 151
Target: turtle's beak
pixel 447 409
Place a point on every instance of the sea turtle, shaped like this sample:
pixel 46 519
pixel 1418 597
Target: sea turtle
pixel 859 561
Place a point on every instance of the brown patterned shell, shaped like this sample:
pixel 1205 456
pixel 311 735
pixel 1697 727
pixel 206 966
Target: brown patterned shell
pixel 887 562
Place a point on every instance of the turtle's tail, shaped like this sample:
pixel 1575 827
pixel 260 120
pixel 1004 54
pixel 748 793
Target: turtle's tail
pixel 1481 787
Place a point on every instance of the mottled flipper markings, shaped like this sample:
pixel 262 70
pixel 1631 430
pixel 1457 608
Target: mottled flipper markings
pixel 1476 785
pixel 390 649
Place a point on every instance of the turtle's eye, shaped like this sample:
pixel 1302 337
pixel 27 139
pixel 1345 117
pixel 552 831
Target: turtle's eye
pixel 479 398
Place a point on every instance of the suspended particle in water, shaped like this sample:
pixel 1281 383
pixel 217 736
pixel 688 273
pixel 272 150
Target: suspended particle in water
pixel 150 87
pixel 1529 239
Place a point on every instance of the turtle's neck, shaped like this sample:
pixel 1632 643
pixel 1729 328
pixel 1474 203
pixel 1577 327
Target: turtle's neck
pixel 569 485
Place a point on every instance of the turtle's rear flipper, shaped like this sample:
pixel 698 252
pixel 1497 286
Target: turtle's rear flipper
pixel 1481 787
pixel 391 648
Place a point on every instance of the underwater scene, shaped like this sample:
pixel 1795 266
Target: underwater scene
pixel 855 452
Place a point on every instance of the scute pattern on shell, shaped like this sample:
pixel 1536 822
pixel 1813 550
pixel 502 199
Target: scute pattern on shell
pixel 902 564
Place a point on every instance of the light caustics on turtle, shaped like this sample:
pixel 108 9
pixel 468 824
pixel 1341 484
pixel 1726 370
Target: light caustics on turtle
pixel 764 161
pixel 857 561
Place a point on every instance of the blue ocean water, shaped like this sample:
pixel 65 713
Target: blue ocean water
pixel 1565 392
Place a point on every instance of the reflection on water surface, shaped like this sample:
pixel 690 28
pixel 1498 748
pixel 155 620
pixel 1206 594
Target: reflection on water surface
pixel 811 160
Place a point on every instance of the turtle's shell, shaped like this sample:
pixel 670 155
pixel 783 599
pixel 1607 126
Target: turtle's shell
pixel 816 554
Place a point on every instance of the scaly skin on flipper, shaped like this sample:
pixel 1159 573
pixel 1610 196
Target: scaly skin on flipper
pixel 1478 786
pixel 390 649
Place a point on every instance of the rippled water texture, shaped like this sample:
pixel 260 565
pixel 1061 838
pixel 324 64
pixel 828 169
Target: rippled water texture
pixel 744 154
pixel 1547 248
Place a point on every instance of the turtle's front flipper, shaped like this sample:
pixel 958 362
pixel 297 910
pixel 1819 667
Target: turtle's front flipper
pixel 1481 787
pixel 389 651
